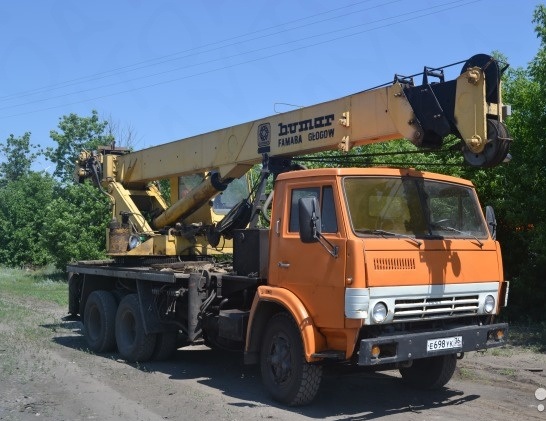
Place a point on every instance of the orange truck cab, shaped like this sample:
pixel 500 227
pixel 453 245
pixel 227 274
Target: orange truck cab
pixel 383 267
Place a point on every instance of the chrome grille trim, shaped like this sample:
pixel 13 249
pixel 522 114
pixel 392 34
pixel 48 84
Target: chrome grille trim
pixel 431 307
pixel 408 303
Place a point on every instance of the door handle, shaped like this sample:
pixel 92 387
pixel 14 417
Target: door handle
pixel 283 265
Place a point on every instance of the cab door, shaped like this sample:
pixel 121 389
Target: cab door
pixel 309 270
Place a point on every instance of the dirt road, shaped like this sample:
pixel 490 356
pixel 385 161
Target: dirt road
pixel 47 373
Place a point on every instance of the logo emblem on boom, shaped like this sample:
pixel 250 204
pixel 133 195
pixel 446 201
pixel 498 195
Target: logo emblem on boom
pixel 264 137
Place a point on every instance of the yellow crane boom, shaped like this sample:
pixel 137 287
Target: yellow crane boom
pixel 423 114
pixel 468 107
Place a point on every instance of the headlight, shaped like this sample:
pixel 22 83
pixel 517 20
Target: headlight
pixel 489 304
pixel 379 313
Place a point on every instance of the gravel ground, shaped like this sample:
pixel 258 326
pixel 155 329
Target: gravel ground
pixel 47 373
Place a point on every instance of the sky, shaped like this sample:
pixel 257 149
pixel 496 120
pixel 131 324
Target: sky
pixel 166 70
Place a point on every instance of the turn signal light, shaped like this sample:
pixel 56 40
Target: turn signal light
pixel 376 351
pixel 496 335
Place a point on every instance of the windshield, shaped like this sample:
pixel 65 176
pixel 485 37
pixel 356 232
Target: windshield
pixel 413 206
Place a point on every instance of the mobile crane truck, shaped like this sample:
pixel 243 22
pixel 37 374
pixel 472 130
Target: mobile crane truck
pixel 386 268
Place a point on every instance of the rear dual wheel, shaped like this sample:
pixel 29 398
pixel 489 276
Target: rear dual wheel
pixel 134 344
pixel 105 325
pixel 165 346
pixel 99 319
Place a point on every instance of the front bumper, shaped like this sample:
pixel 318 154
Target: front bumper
pixel 412 346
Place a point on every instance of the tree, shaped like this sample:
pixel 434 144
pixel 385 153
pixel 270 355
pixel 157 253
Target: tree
pixel 76 134
pixel 124 134
pixel 21 219
pixel 517 190
pixel 75 220
pixel 521 196
pixel 46 218
pixel 19 156
pixel 22 196
pixel 75 224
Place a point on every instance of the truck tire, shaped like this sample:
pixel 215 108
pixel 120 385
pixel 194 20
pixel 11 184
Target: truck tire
pixel 134 344
pixel 74 293
pixel 165 346
pixel 99 320
pixel 286 375
pixel 430 373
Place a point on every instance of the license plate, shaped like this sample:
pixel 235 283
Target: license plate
pixel 444 343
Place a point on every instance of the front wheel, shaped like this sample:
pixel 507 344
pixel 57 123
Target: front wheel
pixel 430 373
pixel 285 373
pixel 133 342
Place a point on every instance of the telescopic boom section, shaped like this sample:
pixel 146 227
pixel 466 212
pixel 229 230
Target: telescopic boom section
pixel 424 114
pixel 468 107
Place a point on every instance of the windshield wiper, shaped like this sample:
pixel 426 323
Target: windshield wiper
pixel 466 234
pixel 384 233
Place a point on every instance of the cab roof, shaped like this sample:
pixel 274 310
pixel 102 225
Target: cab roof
pixel 372 172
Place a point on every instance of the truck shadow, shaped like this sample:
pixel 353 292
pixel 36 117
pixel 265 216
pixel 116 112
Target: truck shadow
pixel 343 395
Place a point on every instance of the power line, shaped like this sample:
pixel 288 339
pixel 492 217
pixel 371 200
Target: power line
pixel 452 5
pixel 216 59
pixel 174 56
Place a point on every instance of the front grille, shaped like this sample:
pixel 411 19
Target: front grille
pixel 435 308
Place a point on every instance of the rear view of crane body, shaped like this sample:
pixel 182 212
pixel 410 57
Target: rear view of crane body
pixel 377 267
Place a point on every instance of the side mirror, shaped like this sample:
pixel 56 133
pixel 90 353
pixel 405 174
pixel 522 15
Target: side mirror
pixel 491 221
pixel 309 219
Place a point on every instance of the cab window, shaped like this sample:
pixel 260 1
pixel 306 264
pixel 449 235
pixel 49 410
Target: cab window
pixel 325 196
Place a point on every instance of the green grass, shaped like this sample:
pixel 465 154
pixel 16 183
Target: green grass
pixel 503 352
pixel 467 374
pixel 44 284
pixel 26 323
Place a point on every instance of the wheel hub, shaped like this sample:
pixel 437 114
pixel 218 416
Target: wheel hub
pixel 280 362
